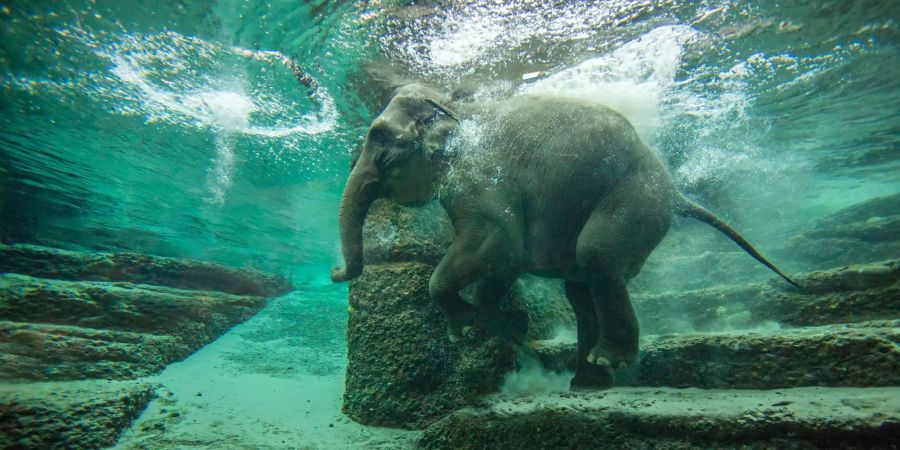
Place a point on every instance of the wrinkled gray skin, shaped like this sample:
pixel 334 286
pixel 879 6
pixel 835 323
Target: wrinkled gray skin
pixel 568 191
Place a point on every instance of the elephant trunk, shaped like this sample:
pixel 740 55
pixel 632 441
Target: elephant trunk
pixel 359 193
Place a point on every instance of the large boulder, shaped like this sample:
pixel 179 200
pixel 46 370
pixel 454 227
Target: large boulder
pixel 859 354
pixel 395 233
pixel 195 317
pixel 403 371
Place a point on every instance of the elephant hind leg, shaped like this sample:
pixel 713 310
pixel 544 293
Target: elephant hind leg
pixel 617 342
pixel 587 375
pixel 611 248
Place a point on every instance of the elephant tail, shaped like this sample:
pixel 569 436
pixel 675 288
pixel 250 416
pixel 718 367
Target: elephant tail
pixel 687 208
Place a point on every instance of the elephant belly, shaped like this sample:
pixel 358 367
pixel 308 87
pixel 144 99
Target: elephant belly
pixel 550 250
pixel 554 219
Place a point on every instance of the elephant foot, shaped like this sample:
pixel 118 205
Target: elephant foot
pixel 460 324
pixel 457 335
pixel 592 378
pixel 604 355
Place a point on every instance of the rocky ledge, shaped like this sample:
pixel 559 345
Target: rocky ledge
pixel 840 295
pixel 651 418
pixel 76 414
pixel 859 354
pixel 74 321
pixel 45 262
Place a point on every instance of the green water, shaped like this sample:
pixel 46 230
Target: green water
pixel 179 128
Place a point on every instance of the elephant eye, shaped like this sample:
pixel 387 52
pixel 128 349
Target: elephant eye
pixel 429 121
pixel 379 135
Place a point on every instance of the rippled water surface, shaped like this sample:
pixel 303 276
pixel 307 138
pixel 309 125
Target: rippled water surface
pixel 182 129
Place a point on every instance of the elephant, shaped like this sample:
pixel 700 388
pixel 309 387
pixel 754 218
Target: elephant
pixel 562 187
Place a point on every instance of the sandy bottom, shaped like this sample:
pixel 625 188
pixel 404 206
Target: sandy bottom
pixel 274 382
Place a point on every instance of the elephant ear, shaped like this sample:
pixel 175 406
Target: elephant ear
pixel 436 130
pixel 443 109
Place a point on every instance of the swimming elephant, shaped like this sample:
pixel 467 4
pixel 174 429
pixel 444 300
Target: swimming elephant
pixel 561 187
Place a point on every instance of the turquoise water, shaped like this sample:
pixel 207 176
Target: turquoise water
pixel 176 130
pixel 181 129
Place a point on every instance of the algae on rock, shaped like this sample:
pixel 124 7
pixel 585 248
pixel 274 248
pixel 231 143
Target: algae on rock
pixel 403 371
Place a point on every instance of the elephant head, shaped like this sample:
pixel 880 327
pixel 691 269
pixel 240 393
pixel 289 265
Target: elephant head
pixel 400 160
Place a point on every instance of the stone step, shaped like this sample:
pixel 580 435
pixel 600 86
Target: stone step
pixel 861 354
pixel 649 418
pixel 71 414
pixel 61 352
pixel 866 231
pixel 842 295
pixel 196 317
pixel 46 262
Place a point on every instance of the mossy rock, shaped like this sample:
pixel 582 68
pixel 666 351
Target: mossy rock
pixel 403 371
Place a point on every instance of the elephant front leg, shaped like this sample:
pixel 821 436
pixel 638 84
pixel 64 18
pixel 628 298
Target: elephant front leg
pixel 443 287
pixel 477 252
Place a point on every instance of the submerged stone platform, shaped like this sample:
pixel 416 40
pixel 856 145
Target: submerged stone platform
pixel 860 354
pixel 652 418
pixel 71 322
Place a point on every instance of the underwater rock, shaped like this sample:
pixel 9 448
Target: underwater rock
pixel 865 232
pixel 545 302
pixel 402 369
pixel 863 354
pixel 195 317
pixel 866 354
pixel 842 295
pixel 73 329
pixel 73 414
pixel 49 262
pixel 648 418
pixel 395 233
pixel 64 330
pixel 59 352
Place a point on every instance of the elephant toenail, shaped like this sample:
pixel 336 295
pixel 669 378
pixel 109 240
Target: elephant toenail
pixel 602 362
